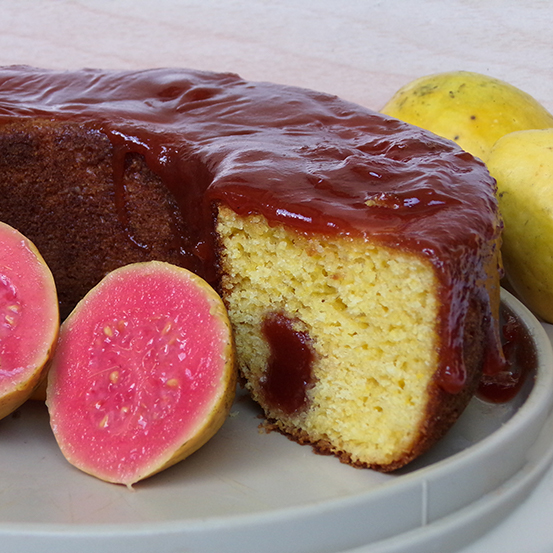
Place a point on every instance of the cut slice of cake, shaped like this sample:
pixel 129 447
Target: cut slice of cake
pixel 339 340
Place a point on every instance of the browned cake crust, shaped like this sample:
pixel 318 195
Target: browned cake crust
pixel 57 185
pixel 101 169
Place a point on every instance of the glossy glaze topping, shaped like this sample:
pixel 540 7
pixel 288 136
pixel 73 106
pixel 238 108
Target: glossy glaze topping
pixel 301 158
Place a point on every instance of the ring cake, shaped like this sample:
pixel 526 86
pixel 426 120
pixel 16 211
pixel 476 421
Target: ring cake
pixel 358 256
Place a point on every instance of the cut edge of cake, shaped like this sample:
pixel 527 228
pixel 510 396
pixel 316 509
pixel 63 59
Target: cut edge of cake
pixel 368 318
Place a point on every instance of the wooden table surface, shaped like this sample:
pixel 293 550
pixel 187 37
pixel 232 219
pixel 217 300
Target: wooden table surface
pixel 360 50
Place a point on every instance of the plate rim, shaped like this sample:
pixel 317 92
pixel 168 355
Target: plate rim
pixel 529 419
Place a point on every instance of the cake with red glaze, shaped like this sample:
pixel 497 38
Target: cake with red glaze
pixel 358 256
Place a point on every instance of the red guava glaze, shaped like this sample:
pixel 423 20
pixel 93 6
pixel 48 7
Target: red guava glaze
pixel 138 368
pixel 290 367
pixel 503 382
pixel 28 310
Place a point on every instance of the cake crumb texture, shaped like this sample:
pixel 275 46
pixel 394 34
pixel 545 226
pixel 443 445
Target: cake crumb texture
pixel 371 315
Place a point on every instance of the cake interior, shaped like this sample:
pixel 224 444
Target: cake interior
pixel 368 316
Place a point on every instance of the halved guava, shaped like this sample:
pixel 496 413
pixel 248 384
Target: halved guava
pixel 143 374
pixel 29 318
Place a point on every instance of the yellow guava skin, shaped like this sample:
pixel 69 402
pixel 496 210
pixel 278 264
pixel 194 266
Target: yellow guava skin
pixel 472 109
pixel 522 164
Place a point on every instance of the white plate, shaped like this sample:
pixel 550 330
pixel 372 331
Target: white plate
pixel 247 491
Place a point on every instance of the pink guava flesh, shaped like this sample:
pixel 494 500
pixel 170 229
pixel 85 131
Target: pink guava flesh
pixel 141 365
pixel 29 317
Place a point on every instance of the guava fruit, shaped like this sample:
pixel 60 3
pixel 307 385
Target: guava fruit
pixel 29 318
pixel 469 108
pixel 143 374
pixel 522 164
